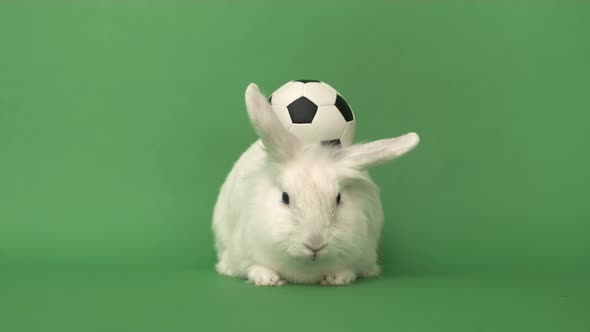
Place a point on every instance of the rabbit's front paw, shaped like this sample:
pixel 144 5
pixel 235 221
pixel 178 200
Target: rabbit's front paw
pixel 339 278
pixel 261 276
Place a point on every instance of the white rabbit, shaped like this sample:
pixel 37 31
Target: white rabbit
pixel 290 212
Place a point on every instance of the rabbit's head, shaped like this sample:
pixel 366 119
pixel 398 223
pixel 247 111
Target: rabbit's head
pixel 319 201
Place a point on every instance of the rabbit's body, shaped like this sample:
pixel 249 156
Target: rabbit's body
pixel 291 212
pixel 240 223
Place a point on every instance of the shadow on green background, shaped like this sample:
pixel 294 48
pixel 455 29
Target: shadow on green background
pixel 120 120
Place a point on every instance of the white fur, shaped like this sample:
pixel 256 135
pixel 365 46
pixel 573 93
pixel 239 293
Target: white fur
pixel 260 238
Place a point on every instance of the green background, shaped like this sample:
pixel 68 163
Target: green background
pixel 120 119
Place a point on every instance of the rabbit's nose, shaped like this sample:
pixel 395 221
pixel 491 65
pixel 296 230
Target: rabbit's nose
pixel 315 243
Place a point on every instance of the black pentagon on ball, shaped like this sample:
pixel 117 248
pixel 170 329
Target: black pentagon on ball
pixel 332 143
pixel 344 108
pixel 302 110
pixel 306 81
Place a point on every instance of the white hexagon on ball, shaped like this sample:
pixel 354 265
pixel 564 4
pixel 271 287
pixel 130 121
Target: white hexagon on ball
pixel 314 112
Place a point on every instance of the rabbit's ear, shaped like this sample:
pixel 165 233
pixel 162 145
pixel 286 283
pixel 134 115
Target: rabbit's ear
pixel 279 143
pixel 363 156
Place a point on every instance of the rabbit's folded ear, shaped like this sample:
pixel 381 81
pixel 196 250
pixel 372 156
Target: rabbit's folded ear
pixel 363 156
pixel 279 143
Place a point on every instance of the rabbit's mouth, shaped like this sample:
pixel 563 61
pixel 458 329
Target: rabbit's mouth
pixel 318 256
pixel 315 250
pixel 309 257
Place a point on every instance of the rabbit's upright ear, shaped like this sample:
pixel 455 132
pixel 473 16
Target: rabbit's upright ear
pixel 279 143
pixel 363 156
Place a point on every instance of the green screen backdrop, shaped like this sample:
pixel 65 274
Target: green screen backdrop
pixel 120 119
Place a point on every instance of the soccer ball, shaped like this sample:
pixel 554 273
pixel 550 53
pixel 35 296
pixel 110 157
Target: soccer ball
pixel 315 112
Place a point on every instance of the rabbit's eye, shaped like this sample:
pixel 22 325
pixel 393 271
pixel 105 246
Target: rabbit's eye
pixel 285 198
pixel 338 199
